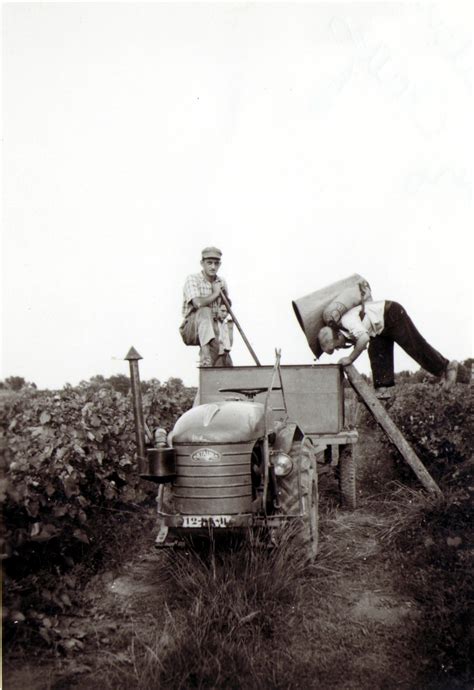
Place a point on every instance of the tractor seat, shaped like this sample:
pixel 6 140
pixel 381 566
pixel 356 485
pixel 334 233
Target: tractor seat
pixel 250 393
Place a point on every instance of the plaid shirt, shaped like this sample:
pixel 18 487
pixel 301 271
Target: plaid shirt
pixel 196 285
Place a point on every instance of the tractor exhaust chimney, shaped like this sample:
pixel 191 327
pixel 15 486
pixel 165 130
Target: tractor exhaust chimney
pixel 133 357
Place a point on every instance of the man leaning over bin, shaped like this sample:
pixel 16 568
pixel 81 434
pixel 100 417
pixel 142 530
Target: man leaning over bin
pixel 201 303
pixel 379 325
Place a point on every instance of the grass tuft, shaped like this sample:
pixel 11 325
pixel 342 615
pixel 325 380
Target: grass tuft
pixel 223 614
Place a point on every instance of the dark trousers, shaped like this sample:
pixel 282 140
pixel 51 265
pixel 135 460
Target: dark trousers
pixel 400 329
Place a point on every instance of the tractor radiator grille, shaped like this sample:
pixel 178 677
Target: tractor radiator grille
pixel 213 479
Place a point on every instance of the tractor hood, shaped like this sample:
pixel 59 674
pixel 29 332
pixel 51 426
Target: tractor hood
pixel 231 421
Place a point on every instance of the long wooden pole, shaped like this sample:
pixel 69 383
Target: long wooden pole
pixel 390 428
pixel 226 302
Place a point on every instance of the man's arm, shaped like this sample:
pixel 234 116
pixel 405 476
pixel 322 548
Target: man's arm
pixel 361 343
pixel 192 292
pixel 219 287
pixel 352 323
pixel 199 302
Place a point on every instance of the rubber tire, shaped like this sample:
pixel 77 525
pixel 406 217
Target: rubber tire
pixel 303 458
pixel 347 477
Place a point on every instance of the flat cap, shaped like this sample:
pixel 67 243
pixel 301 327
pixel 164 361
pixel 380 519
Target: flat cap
pixel 211 253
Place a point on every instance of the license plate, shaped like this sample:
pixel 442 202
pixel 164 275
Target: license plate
pixel 206 521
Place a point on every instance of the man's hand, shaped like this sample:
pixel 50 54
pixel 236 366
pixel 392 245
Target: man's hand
pixel 216 291
pixel 345 361
pixel 223 292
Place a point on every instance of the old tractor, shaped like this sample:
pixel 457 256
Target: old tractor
pixel 246 455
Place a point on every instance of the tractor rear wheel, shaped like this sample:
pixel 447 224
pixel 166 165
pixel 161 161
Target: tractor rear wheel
pixel 347 477
pixel 298 495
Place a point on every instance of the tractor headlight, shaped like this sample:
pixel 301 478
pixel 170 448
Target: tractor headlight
pixel 282 464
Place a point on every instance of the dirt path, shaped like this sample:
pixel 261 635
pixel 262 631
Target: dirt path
pixel 349 627
pixel 355 629
pixel 361 629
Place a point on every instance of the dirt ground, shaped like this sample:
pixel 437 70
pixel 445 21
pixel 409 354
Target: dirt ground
pixel 358 627
pixel 363 612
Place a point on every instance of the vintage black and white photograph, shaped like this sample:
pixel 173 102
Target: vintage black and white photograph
pixel 236 383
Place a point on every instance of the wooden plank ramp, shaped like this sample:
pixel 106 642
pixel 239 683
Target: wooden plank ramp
pixel 394 434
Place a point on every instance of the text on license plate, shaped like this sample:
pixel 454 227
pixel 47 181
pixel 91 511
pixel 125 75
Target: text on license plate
pixel 206 520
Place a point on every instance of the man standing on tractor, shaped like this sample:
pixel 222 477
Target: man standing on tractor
pixel 201 307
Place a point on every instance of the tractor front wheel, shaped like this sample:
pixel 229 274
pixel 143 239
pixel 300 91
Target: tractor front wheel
pixel 298 496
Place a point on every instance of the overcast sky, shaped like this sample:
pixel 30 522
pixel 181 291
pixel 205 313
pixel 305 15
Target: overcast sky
pixel 307 141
